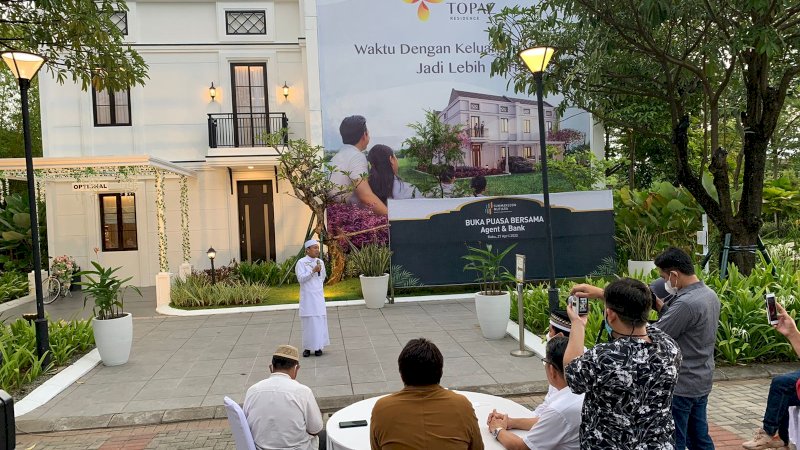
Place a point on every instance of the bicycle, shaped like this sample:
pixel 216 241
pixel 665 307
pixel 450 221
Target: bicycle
pixel 52 288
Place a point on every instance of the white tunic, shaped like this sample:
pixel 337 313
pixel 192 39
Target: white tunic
pixel 313 315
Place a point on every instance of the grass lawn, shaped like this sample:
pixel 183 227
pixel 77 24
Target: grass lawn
pixel 513 184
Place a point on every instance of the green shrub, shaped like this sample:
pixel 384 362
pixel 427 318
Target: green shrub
pixel 13 285
pixel 370 260
pixel 21 366
pixel 268 272
pixel 197 291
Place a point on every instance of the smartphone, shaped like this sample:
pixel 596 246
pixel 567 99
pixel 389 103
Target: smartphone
pixel 353 424
pixel 579 304
pixel 772 310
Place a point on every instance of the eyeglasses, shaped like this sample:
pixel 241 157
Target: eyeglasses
pixel 545 362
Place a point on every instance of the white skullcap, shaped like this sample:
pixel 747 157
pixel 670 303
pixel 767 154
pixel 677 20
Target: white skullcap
pixel 311 242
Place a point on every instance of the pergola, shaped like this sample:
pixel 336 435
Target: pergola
pixel 110 168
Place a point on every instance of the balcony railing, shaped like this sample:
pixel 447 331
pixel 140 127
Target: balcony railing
pixel 245 129
pixel 478 131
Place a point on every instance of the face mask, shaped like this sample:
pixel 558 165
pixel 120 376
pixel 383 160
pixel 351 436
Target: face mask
pixel 672 290
pixel 609 330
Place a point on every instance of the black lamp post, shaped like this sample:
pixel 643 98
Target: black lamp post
pixel 536 59
pixel 211 255
pixel 25 66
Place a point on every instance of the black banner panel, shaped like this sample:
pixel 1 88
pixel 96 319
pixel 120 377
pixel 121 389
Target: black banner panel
pixel 429 237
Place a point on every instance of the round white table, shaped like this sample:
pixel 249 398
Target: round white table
pixel 358 438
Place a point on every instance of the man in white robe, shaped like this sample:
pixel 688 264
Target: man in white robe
pixel 311 274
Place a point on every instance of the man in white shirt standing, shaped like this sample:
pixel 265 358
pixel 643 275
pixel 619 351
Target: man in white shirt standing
pixel 350 165
pixel 310 271
pixel 558 423
pixel 281 412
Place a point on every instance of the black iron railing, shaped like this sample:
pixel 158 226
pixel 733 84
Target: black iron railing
pixel 245 129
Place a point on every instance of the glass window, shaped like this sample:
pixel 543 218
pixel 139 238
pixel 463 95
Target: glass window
pixel 474 107
pixel 120 20
pixel 246 22
pixel 504 125
pixel 111 108
pixel 527 152
pixel 549 126
pixel 526 126
pixel 526 111
pixel 504 109
pixel 118 222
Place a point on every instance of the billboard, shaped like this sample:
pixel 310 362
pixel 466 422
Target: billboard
pixel 429 236
pixel 390 60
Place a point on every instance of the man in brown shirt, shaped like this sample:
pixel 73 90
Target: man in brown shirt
pixel 423 415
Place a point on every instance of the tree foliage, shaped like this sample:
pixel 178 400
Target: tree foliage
pixel 649 66
pixel 78 38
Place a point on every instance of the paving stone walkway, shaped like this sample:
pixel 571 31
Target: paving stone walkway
pixel 193 362
pixel 735 409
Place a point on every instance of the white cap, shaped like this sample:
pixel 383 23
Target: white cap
pixel 311 242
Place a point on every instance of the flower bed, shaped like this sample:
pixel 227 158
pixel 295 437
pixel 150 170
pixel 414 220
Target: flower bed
pixel 20 366
pixel 13 285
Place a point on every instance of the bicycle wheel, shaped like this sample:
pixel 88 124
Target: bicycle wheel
pixel 52 290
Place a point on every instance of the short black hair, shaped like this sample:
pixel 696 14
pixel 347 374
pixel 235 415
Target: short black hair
pixel 421 363
pixel 675 259
pixel 555 352
pixel 281 363
pixel 478 184
pixel 630 299
pixel 352 128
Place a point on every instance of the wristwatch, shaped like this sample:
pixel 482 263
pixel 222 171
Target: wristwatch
pixel 496 432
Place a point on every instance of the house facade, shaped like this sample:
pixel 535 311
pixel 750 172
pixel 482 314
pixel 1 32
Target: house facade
pixel 499 126
pixel 151 177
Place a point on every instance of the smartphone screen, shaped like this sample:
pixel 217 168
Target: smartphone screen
pixel 583 306
pixel 353 423
pixel 772 310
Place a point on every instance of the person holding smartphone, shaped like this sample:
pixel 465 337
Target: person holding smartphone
pixel 782 394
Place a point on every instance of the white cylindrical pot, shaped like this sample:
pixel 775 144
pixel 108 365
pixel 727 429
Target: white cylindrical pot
pixel 113 338
pixel 375 290
pixel 493 314
pixel 640 267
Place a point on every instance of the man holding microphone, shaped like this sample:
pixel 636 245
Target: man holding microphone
pixel 311 274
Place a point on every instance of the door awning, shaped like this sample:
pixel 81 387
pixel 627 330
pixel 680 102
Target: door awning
pixel 91 167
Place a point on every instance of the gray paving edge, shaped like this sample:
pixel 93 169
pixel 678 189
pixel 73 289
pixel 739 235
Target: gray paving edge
pixel 332 404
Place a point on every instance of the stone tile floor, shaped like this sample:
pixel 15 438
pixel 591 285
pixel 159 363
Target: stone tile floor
pixel 195 361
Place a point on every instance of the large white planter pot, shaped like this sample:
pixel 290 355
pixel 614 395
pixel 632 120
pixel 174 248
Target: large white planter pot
pixel 375 290
pixel 640 267
pixel 113 338
pixel 493 314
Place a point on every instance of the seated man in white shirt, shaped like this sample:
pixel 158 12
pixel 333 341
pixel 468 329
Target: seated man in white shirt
pixel 558 423
pixel 281 412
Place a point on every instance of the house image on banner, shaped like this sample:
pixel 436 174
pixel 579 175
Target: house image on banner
pixel 153 176
pixel 499 127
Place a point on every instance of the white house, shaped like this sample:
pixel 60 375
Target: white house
pixel 115 162
pixel 499 126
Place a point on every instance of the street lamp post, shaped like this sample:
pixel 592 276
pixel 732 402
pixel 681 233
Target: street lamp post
pixel 536 59
pixel 211 255
pixel 25 66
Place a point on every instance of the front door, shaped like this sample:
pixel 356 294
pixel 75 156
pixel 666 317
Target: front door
pixel 256 221
pixel 476 155
pixel 250 114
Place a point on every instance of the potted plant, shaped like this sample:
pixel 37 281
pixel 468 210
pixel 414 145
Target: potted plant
pixel 641 246
pixel 113 328
pixel 371 262
pixel 493 301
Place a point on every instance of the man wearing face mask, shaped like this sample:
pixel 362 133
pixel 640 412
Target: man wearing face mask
pixel 690 317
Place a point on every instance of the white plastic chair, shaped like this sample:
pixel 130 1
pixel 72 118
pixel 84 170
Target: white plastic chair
pixel 239 427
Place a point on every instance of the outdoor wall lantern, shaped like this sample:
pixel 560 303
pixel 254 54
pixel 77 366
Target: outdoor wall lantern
pixel 536 59
pixel 24 66
pixel 212 91
pixel 285 90
pixel 211 255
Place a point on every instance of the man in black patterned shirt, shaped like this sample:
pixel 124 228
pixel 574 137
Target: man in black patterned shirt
pixel 628 381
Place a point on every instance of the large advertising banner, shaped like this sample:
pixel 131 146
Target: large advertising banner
pixel 391 60
pixel 429 236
